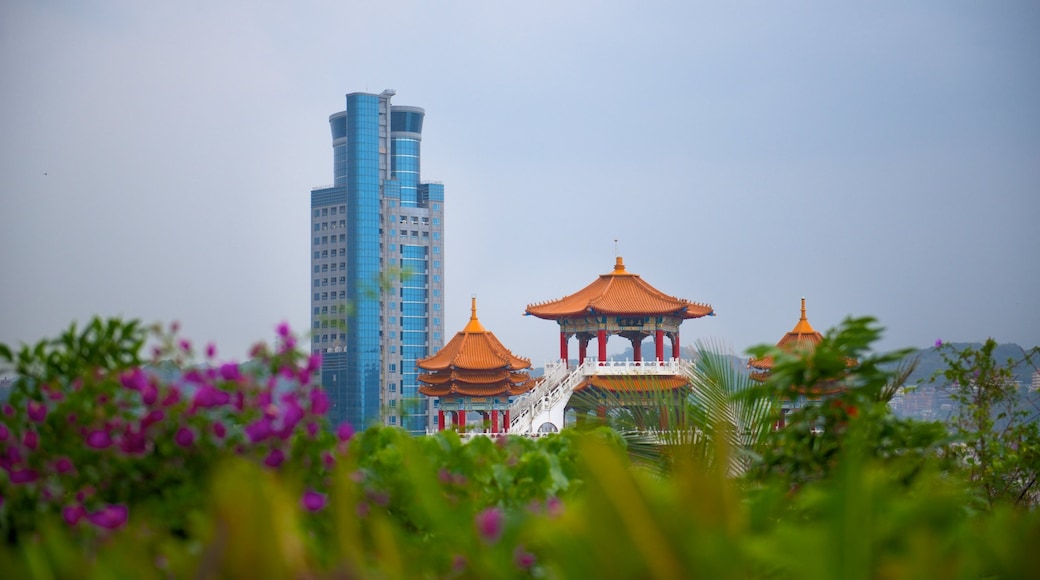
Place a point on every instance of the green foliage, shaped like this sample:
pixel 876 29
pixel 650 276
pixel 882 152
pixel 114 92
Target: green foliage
pixel 844 388
pixel 1000 440
pixel 845 490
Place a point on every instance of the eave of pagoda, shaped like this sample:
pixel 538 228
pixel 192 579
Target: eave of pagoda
pixel 618 295
pixel 474 348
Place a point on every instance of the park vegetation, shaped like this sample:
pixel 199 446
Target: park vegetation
pixel 113 466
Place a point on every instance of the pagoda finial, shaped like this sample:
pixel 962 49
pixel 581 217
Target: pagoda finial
pixel 474 324
pixel 619 264
pixel 803 326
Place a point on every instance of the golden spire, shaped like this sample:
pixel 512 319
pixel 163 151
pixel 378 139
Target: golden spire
pixel 803 326
pixel 619 266
pixel 474 325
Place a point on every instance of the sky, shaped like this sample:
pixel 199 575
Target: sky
pixel 881 159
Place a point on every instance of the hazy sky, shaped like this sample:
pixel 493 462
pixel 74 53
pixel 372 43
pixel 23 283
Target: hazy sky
pixel 879 159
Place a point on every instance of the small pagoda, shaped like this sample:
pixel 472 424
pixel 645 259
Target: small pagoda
pixel 474 373
pixel 802 339
pixel 623 304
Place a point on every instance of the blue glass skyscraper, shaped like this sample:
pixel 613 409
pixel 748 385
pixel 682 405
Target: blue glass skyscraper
pixel 377 261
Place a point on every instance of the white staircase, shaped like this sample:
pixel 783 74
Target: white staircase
pixel 542 409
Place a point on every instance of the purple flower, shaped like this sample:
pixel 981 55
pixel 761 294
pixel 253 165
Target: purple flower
pixel 319 402
pixel 344 432
pixel 312 429
pixel 133 441
pixel 283 329
pixel 229 372
pixel 72 514
pixel 110 517
pixel 63 465
pixel 211 350
pixel 149 394
pixel 208 396
pixel 134 379
pixel 4 433
pixel 172 398
pixel 24 476
pixel 184 437
pixel 185 345
pixel 259 430
pixel 274 458
pixel 554 506
pixel 99 439
pixel 37 411
pixel 490 524
pixel 522 558
pixel 938 342
pixel 328 460
pixel 312 501
pixel 219 430
pixel 31 440
pixel 152 418
pixel 458 563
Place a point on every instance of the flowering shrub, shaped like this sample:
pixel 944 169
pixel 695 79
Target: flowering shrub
pixel 116 468
pixel 94 434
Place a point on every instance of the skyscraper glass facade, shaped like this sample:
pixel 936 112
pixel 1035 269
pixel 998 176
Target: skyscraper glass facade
pixel 377 266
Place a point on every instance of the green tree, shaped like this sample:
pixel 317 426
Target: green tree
pixel 998 431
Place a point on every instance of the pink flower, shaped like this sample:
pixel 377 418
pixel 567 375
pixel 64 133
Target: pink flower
pixel 312 429
pixel 134 379
pixel 312 501
pixel 328 460
pixel 522 558
pixel 63 465
pixel 149 394
pixel 185 345
pixel 208 396
pixel 211 350
pixel 99 439
pixel 274 458
pixel 490 524
pixel 31 440
pixel 184 437
pixel 4 433
pixel 110 517
pixel 133 441
pixel 23 476
pixel 229 372
pixel 319 402
pixel 259 430
pixel 37 411
pixel 152 418
pixel 283 329
pixel 344 432
pixel 172 398
pixel 219 430
pixel 72 514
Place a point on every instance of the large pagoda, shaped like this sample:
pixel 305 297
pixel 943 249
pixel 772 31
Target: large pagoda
pixel 623 304
pixel 474 372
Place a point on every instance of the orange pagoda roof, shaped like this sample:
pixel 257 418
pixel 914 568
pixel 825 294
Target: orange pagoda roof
pixel 620 293
pixel 801 338
pixel 627 384
pixel 474 363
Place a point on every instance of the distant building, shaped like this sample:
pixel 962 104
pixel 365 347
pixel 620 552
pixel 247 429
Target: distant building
pixel 377 266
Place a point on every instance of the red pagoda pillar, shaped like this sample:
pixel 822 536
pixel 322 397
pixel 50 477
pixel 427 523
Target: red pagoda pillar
pixel 440 420
pixel 563 346
pixel 675 344
pixel 494 421
pixel 583 347
pixel 505 423
pixel 460 421
pixel 601 339
pixel 659 344
pixel 637 349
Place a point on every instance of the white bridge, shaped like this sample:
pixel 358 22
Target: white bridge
pixel 541 410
